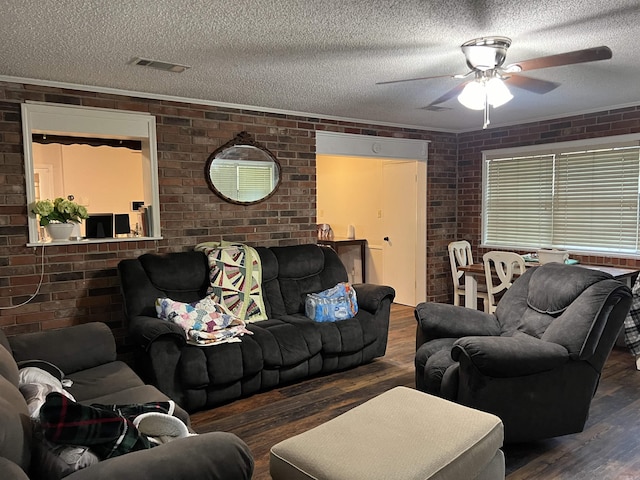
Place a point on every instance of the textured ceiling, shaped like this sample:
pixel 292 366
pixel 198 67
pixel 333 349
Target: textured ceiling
pixel 324 57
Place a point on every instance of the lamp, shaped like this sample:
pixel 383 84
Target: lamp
pixel 480 91
pixel 474 95
pixel 485 90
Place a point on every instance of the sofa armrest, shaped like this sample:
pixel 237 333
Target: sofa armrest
pixel 212 456
pixel 71 349
pixel 371 296
pixel 144 330
pixel 11 471
pixel 441 320
pixel 509 356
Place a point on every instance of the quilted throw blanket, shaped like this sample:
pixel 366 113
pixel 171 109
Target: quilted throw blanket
pixel 235 275
pixel 205 322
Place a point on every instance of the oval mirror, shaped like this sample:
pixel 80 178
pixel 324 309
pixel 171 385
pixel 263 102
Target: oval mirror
pixel 242 171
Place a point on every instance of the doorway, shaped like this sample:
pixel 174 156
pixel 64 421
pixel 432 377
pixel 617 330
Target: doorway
pixel 399 226
pixel 382 197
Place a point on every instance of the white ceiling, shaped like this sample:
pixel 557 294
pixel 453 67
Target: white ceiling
pixel 324 57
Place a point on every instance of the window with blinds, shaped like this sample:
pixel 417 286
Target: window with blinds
pixel 244 181
pixel 575 199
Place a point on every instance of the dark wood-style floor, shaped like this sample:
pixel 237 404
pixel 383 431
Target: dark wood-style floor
pixel 608 448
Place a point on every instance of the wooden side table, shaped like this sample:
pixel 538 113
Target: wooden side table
pixel 337 243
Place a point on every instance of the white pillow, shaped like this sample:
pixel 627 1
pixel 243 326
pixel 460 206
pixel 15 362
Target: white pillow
pixel 35 384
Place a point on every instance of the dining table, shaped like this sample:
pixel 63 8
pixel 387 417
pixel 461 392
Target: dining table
pixel 475 270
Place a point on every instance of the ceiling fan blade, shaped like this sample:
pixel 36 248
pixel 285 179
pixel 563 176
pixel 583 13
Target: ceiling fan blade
pixel 414 79
pixel 532 84
pixel 454 92
pixel 568 58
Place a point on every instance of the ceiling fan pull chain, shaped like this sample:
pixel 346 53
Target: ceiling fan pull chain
pixel 486 111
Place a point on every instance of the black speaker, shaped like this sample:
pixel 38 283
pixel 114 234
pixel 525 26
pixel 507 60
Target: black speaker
pixel 121 222
pixel 99 225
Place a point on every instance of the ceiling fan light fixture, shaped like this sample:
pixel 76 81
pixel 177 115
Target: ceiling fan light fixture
pixel 481 91
pixel 497 92
pixel 473 96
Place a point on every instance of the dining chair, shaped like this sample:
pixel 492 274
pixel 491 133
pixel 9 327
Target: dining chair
pixel 460 256
pixel 500 269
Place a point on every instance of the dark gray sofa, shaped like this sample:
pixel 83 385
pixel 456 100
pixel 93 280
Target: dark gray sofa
pixel 286 347
pixel 87 355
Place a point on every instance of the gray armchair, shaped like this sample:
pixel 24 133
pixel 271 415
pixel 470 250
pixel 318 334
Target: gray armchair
pixel 537 361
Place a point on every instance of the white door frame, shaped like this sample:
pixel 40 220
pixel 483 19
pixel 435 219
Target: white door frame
pixel 334 143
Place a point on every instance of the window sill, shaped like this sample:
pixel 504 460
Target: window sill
pixel 91 241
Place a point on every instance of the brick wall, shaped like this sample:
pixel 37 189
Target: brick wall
pixel 80 281
pixel 470 146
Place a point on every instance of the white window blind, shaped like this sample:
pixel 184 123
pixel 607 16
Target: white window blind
pixel 574 199
pixel 243 182
pixel 518 200
pixel 596 200
pixel 254 182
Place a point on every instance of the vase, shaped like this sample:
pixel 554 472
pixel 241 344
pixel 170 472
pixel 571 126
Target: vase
pixel 59 232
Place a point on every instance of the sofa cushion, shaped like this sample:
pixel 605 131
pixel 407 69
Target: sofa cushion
pixel 15 441
pixel 222 364
pixel 4 341
pixel 8 367
pixel 575 329
pixel 103 380
pixel 271 293
pixel 180 275
pixel 71 349
pixel 346 336
pixel 296 337
pixel 306 269
pixel 553 287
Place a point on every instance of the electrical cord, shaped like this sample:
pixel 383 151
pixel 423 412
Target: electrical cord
pixel 37 289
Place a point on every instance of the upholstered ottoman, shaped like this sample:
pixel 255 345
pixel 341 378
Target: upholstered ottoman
pixel 400 434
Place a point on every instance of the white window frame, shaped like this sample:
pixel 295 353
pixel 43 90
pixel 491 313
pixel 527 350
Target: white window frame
pixel 555 151
pixel 61 119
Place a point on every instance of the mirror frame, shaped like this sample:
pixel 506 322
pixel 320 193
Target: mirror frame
pixel 242 138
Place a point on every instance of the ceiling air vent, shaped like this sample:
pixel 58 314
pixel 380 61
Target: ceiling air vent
pixel 167 67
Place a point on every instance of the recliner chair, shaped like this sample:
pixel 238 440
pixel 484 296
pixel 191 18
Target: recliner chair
pixel 537 361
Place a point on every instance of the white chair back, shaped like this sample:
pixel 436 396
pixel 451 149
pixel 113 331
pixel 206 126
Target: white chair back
pixel 459 256
pixel 500 270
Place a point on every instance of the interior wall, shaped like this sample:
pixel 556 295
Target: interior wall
pixel 622 121
pixel 80 281
pixel 348 193
pixel 119 171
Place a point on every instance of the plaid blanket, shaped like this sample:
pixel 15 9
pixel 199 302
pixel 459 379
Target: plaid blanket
pixel 632 322
pixel 107 429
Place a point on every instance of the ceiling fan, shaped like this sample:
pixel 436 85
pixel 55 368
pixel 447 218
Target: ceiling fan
pixel 485 57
